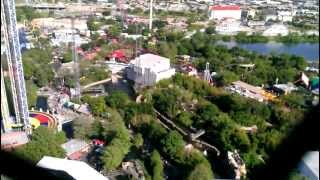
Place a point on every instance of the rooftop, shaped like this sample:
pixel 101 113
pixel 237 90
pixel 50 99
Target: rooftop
pixel 154 62
pixel 224 7
pixel 248 87
pixel 77 169
pixel 74 145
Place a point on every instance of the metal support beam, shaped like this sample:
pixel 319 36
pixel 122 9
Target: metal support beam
pixel 13 51
pixel 6 124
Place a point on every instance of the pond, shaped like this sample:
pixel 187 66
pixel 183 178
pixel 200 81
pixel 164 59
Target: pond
pixel 310 51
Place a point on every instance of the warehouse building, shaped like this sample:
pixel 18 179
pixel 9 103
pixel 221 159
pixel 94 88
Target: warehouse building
pixel 148 69
pixel 219 12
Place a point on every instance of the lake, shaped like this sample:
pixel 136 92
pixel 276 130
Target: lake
pixel 307 50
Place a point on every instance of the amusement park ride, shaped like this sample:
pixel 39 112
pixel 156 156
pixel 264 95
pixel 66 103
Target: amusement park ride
pixel 24 120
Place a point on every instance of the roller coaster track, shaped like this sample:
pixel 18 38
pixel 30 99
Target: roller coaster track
pixel 183 132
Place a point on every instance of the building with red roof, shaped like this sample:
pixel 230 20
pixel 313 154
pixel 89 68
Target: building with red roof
pixel 118 55
pixel 218 12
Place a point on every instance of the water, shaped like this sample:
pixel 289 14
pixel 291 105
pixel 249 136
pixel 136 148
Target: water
pixel 307 50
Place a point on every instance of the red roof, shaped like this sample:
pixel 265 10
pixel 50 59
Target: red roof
pixel 224 7
pixel 98 142
pixel 117 54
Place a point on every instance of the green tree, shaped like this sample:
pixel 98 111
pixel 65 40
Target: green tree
pixel 86 46
pixel 67 56
pixel 226 78
pixel 168 50
pixel 69 81
pixel 43 142
pixel 93 24
pixel 31 93
pixel 138 140
pixel 157 165
pixel 96 104
pixel 117 99
pixel 201 171
pixel 114 30
pixel 184 119
pixel 210 30
pixel 172 143
pixel 26 13
pixel 120 143
pixel 82 127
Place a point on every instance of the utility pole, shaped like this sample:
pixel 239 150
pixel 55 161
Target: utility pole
pixel 150 16
pixel 207 75
pixel 75 61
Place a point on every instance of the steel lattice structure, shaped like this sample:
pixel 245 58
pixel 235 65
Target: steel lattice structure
pixel 207 75
pixel 13 53
pixel 5 126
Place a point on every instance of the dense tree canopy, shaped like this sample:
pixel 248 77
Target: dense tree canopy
pixel 43 142
pixel 202 172
pixel 157 165
pixel 96 104
pixel 36 68
pixel 120 143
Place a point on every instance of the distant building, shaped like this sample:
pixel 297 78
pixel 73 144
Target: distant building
pixel 285 88
pixel 228 26
pixel 52 23
pixel 148 69
pixel 218 12
pixel 76 169
pixel 250 91
pixel 75 149
pixel 65 36
pixel 275 30
pixel 309 165
pixel 285 16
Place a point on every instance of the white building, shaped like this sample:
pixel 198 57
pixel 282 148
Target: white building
pixel 76 169
pixel 148 69
pixel 65 36
pixel 228 26
pixel 219 12
pixel 276 29
pixel 285 16
pixel 52 23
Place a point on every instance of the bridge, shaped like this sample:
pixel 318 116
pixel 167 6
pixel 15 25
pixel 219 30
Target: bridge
pixel 113 78
pixel 95 83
